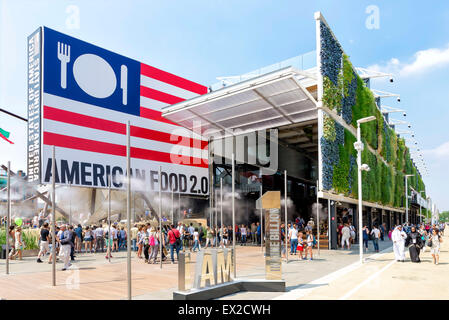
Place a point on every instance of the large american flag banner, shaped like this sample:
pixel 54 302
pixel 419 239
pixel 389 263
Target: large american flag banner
pixel 89 95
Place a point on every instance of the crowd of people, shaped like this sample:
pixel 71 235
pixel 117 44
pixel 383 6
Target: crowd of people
pixel 417 238
pixel 149 241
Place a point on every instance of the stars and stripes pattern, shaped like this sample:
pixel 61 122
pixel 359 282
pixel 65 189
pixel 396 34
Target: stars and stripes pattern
pixel 83 127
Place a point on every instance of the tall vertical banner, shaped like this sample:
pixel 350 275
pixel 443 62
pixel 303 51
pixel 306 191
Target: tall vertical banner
pixel 89 94
pixel 34 45
pixel 273 263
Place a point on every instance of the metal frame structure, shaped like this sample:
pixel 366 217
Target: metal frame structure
pixel 270 100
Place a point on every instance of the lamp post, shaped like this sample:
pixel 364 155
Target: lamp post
pixel 358 145
pixel 420 207
pixel 406 196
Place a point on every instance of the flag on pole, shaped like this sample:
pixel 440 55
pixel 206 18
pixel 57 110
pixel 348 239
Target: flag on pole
pixel 5 135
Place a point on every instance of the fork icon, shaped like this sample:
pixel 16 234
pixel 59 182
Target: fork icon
pixel 64 57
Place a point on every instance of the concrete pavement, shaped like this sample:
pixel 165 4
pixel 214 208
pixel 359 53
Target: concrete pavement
pixel 332 275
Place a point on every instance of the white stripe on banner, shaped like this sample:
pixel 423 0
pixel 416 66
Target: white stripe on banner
pixel 107 114
pixel 152 104
pixel 116 138
pixel 166 88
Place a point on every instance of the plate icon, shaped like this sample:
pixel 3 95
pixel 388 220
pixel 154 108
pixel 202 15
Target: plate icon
pixel 94 75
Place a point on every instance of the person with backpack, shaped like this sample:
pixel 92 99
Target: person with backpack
pixel 196 240
pixel 174 240
pixel 375 236
pixel 434 244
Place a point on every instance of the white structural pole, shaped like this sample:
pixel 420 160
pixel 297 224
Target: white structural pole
pixel 329 233
pixel 406 200
pixel 109 218
pixel 128 206
pixel 285 213
pixel 172 205
pixel 216 219
pixel 221 209
pixel 360 206
pixel 53 214
pixel 8 217
pixel 70 203
pixel 233 215
pixel 318 217
pixel 261 213
pixel 160 212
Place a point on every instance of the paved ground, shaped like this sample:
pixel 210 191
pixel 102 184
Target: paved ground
pixel 387 279
pixel 332 275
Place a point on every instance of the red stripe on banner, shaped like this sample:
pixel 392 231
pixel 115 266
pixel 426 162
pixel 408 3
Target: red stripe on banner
pixel 82 120
pixel 159 95
pixel 172 79
pixel 167 137
pixel 59 140
pixel 154 115
pixel 64 116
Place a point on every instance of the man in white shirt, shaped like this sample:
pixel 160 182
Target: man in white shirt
pixel 376 235
pixel 99 232
pixel 293 237
pixel 345 235
pixel 181 232
pixel 66 246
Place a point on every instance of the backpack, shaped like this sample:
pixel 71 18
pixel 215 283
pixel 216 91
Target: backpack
pixel 314 241
pixel 178 240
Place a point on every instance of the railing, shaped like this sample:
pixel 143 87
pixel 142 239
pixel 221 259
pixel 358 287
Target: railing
pixel 302 62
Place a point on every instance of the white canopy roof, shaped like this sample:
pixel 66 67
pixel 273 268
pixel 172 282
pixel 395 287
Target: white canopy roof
pixel 271 100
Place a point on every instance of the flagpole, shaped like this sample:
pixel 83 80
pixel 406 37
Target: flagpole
pixel 53 218
pixel 109 218
pixel 70 204
pixel 172 206
pixel 128 205
pixel 318 216
pixel 221 209
pixel 261 213
pixel 160 210
pixel 8 217
pixel 285 209
pixel 233 216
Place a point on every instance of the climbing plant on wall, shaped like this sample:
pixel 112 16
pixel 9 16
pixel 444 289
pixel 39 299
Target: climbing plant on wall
pixel 346 94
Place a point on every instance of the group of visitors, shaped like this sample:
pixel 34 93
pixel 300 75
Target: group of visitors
pixel 71 239
pixel 418 238
pixel 300 240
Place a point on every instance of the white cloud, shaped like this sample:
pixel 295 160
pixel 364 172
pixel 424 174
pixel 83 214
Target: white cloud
pixel 440 152
pixel 422 61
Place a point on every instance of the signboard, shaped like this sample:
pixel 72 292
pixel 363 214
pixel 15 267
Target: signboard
pixel 89 95
pixel 273 264
pixel 34 106
pixel 211 267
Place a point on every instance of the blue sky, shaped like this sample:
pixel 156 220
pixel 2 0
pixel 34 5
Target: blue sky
pixel 204 39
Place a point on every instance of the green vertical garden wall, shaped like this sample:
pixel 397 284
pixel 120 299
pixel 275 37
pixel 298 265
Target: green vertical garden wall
pixel 346 94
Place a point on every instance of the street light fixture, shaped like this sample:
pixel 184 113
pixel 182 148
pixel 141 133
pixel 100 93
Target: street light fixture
pixel 359 147
pixel 420 216
pixel 406 196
